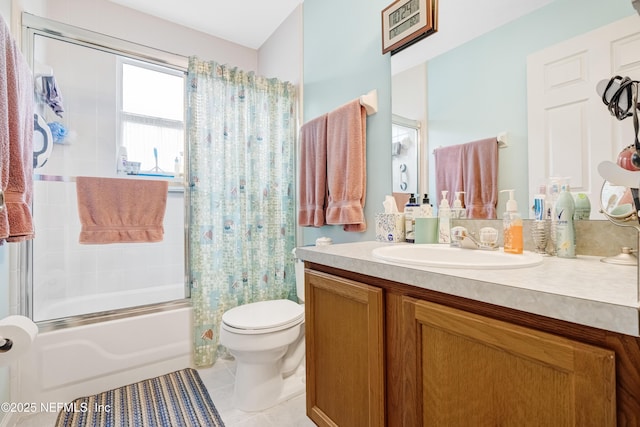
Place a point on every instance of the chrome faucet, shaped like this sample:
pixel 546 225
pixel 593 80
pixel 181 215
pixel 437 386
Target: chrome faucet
pixel 461 238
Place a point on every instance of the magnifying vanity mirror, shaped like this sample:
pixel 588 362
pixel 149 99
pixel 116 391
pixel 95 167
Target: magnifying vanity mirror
pixel 617 205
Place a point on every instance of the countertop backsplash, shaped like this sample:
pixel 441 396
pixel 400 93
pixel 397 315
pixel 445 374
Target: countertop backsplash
pixel 593 237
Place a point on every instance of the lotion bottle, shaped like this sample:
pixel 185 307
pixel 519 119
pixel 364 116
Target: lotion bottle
pixel 426 210
pixel 121 166
pixel 458 211
pixel 410 212
pixel 565 227
pixel 444 220
pixel 512 226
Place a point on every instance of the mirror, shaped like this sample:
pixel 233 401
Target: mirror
pixel 617 204
pixel 479 89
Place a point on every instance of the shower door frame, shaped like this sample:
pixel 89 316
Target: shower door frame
pixel 31 27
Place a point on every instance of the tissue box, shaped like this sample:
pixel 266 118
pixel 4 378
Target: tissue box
pixel 390 227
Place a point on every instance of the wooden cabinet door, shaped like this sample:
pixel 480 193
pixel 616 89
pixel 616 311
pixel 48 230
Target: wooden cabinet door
pixel 345 370
pixel 476 371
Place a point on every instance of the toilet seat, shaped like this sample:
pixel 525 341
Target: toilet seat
pixel 263 317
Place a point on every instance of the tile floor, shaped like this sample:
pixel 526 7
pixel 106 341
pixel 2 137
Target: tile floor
pixel 219 381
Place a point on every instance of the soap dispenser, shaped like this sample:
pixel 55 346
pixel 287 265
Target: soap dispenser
pixel 426 210
pixel 458 211
pixel 410 213
pixel 512 226
pixel 444 220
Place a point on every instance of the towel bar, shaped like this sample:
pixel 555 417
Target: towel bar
pixel 370 102
pixel 178 186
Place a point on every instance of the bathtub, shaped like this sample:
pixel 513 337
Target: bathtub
pixel 108 301
pixel 77 361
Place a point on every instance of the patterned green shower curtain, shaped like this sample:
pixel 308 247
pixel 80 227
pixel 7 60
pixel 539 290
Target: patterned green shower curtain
pixel 241 135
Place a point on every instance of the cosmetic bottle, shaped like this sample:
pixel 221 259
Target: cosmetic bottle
pixel 410 211
pixel 458 211
pixel 121 166
pixel 512 226
pixel 444 220
pixel 565 227
pixel 426 210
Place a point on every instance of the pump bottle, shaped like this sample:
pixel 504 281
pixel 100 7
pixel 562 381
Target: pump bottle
pixel 458 211
pixel 426 210
pixel 512 226
pixel 444 220
pixel 410 212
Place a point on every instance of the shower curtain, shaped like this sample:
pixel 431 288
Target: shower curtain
pixel 241 135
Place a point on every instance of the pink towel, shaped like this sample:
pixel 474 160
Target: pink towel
pixel 115 210
pixel 16 141
pixel 313 172
pixel 448 172
pixel 480 177
pixel 346 166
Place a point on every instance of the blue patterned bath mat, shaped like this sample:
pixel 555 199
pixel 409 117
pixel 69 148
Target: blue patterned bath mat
pixel 178 399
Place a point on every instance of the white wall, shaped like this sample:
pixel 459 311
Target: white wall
pixel 280 56
pixel 109 18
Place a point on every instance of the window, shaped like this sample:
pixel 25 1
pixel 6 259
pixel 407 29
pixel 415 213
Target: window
pixel 152 116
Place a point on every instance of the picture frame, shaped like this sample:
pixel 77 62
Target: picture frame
pixel 405 22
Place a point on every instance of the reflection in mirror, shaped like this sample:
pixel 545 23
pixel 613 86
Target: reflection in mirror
pixel 617 203
pixel 478 89
pixel 405 143
pixel 409 110
pixel 100 115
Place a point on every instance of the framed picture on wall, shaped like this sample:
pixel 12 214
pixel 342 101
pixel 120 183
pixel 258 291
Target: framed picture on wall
pixel 405 22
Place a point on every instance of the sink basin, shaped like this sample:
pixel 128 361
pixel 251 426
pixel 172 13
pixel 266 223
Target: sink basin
pixel 437 255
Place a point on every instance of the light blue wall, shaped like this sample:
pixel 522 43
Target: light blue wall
pixel 479 89
pixel 343 60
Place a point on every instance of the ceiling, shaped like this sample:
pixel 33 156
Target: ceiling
pixel 251 22
pixel 248 22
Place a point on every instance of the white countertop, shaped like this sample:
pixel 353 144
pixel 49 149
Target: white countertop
pixel 582 290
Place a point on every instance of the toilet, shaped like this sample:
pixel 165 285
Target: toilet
pixel 267 340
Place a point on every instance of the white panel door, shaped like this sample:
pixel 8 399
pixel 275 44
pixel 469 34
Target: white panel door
pixel 570 130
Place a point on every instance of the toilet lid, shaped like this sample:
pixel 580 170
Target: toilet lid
pixel 264 315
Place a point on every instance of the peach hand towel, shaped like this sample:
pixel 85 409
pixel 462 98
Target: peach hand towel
pixel 116 210
pixel 480 177
pixel 16 141
pixel 448 162
pixel 313 172
pixel 346 166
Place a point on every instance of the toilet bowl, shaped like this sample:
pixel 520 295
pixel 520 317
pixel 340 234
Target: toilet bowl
pixel 267 340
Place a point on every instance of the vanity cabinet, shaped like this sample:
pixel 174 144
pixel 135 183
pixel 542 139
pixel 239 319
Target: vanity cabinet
pixel 474 370
pixel 345 353
pixel 452 361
